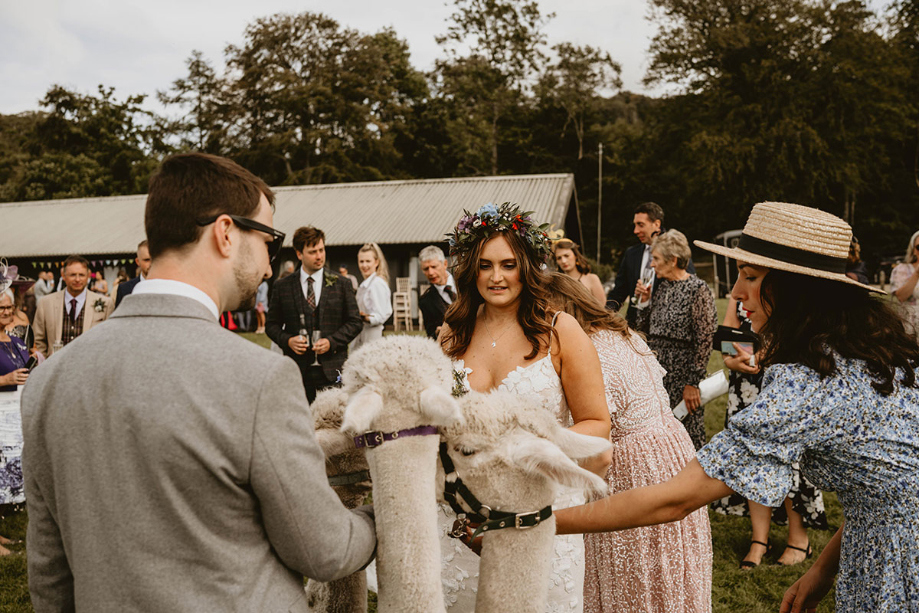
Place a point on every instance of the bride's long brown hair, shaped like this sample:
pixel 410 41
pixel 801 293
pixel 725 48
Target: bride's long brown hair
pixel 532 313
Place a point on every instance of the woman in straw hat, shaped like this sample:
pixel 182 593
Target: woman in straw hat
pixel 840 396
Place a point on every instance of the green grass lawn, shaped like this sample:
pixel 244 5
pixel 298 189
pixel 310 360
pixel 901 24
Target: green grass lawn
pixel 733 590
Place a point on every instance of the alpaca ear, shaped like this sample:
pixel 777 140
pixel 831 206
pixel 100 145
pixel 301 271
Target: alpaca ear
pixel 334 442
pixel 363 408
pixel 579 446
pixel 538 456
pixel 442 408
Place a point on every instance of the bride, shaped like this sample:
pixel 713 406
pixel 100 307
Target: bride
pixel 502 334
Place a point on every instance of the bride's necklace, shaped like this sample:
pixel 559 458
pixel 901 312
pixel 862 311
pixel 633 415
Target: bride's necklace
pixel 494 341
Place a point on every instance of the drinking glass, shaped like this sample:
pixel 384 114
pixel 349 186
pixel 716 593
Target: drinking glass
pixel 316 335
pixel 57 346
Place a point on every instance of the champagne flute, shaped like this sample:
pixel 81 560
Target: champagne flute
pixel 316 335
pixel 647 276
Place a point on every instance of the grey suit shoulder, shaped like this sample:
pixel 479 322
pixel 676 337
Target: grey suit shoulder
pixel 179 464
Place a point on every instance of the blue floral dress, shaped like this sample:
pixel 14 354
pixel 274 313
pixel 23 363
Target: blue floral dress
pixel 848 438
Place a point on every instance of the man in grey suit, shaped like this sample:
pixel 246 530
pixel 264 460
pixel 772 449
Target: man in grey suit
pixel 198 486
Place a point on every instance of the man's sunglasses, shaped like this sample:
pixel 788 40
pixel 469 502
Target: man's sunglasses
pixel 244 223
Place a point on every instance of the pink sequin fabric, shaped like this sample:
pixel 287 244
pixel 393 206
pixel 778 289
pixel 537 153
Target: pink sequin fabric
pixel 665 568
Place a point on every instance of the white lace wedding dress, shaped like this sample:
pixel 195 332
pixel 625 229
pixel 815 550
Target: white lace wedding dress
pixel 460 567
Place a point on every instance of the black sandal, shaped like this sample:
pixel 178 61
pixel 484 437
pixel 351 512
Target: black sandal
pixel 807 554
pixel 747 564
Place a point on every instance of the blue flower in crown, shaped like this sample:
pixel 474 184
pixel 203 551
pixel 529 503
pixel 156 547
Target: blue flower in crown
pixel 491 218
pixel 488 210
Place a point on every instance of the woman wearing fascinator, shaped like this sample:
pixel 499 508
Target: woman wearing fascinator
pixel 840 397
pixel 502 334
pixel 14 356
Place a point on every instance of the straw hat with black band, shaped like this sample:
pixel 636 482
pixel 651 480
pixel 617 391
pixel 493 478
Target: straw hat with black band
pixel 793 238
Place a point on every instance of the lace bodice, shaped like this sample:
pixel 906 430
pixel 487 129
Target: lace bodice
pixel 538 379
pixel 633 380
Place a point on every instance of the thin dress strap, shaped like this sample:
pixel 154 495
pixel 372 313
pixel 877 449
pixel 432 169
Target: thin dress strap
pixel 554 317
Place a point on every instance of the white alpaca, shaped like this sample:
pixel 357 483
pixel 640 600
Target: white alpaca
pixel 512 454
pixel 395 384
pixel 346 466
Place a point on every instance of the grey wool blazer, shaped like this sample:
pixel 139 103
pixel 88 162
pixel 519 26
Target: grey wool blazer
pixel 170 465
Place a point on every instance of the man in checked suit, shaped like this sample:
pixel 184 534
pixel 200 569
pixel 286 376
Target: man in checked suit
pixel 327 304
pixel 435 301
pixel 171 465
pixel 648 223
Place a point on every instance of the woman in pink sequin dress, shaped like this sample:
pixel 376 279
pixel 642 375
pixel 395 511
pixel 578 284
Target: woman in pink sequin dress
pixel 663 568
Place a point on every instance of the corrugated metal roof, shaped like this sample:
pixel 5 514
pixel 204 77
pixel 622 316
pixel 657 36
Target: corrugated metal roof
pixel 387 212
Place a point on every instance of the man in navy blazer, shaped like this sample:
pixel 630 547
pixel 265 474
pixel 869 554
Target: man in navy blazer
pixel 143 267
pixel 648 221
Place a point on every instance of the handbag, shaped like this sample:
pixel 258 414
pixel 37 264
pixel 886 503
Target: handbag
pixel 712 386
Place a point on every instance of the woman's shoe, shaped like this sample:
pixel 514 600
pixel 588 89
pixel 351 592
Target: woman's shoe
pixel 747 564
pixel 808 552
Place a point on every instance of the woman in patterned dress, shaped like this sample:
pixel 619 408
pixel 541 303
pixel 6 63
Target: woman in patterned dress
pixel 665 568
pixel 502 334
pixel 803 508
pixel 840 395
pixel 680 319
pixel 905 281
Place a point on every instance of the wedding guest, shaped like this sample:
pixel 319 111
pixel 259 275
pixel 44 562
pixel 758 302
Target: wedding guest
pixel 441 292
pixel 503 334
pixel 100 285
pixel 45 285
pixel 905 281
pixel 374 298
pixel 143 261
pixel 15 353
pixel 322 302
pixel 343 271
pixel 570 261
pixel 168 464
pixel 855 268
pixel 261 306
pixel 680 319
pixel 655 568
pixel 65 315
pixel 120 278
pixel 13 358
pixel 286 269
pixel 840 396
pixel 803 507
pixel 647 222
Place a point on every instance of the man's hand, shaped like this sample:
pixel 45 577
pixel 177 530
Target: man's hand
pixel 298 344
pixel 322 346
pixel 692 398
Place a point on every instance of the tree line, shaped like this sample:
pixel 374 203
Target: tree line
pixel 807 101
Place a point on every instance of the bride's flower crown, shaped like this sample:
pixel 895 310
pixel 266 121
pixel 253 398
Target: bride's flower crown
pixel 491 218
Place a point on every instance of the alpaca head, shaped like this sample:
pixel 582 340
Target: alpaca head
pixel 398 382
pixel 512 453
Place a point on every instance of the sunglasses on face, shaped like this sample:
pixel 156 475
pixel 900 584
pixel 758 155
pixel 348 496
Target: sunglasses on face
pixel 244 223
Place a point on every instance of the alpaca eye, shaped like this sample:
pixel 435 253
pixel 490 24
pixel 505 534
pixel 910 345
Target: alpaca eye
pixel 466 451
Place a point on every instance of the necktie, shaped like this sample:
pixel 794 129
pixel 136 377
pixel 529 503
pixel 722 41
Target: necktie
pixel 310 294
pixel 449 292
pixel 73 310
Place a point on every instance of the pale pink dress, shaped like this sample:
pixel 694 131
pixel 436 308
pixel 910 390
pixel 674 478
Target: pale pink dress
pixel 664 568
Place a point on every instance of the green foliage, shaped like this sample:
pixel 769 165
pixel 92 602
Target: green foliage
pixel 808 101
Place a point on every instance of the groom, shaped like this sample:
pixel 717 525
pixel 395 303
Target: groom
pixel 198 485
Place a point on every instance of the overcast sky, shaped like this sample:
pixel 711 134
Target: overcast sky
pixel 140 47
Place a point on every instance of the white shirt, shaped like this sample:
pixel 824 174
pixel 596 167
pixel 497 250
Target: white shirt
pixel 375 298
pixel 81 300
pixel 317 283
pixel 177 288
pixel 441 289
